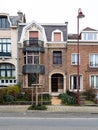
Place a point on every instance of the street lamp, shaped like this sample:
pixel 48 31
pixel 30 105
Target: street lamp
pixel 80 15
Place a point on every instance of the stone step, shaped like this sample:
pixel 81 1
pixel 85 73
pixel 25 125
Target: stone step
pixel 55 101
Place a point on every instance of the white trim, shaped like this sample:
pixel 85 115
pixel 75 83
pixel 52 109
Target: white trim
pixel 28 26
pixel 94 80
pixel 81 82
pixel 57 31
pixel 75 58
pixel 7 15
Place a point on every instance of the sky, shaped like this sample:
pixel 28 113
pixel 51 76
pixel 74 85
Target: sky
pixel 55 11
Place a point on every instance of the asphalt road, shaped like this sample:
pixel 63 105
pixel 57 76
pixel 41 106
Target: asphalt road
pixel 49 114
pixel 29 123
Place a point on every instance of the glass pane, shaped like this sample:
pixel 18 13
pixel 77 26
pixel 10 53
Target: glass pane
pixel 2 66
pixel 3 22
pixel 4 47
pixel 13 73
pixel 36 59
pixel 8 47
pixel 96 60
pixel 0 48
pixel 29 59
pixel 96 81
pixel 91 60
pixel 8 73
pixel 92 81
pixel 3 73
pixel 8 40
pixel 8 66
pixel 73 58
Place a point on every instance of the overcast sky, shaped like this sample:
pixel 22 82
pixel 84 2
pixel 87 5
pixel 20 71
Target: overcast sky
pixel 55 11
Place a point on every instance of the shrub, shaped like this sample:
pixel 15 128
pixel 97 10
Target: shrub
pixel 39 107
pixel 13 90
pixel 90 94
pixel 67 99
pixel 2 94
pixel 9 98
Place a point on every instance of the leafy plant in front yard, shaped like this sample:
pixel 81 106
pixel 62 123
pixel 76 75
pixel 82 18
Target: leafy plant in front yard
pixel 67 99
pixel 39 107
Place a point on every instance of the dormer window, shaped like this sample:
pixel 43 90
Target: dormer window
pixel 4 23
pixel 90 36
pixel 57 36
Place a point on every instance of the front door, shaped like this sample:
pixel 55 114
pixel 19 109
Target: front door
pixel 56 82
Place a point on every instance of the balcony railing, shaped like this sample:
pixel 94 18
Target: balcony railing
pixel 35 42
pixel 37 68
pixel 7 54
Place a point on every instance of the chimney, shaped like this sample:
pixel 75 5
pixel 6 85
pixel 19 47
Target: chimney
pixel 20 16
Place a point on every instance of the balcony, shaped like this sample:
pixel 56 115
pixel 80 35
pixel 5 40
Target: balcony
pixel 33 69
pixel 6 54
pixel 33 45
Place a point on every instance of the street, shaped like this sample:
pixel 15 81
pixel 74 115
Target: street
pixel 29 123
pixel 49 121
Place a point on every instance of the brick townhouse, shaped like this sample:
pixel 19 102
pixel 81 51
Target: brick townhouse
pixel 42 56
pixel 88 60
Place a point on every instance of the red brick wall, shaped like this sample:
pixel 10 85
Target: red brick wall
pixel 85 50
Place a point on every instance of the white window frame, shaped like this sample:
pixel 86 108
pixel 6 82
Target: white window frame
pixel 89 36
pixel 76 59
pixel 94 64
pixel 95 81
pixel 71 83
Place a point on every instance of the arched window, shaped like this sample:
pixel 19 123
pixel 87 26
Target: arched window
pixel 4 23
pixel 7 70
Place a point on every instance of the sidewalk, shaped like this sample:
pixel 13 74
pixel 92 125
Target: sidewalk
pixel 23 108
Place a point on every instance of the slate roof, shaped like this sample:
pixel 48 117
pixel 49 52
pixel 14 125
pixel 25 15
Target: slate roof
pixel 14 20
pixel 50 28
pixel 20 28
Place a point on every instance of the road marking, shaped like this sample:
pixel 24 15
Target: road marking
pixel 47 118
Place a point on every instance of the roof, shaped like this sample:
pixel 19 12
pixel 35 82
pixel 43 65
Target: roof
pixel 49 28
pixel 14 20
pixel 88 29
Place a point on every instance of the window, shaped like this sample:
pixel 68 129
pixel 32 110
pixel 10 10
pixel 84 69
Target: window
pixel 5 47
pixel 33 38
pixel 57 35
pixel 57 57
pixel 89 36
pixel 33 79
pixel 7 70
pixel 93 60
pixel 74 59
pixel 31 58
pixel 74 82
pixel 4 22
pixel 94 81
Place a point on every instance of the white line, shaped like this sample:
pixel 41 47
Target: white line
pixel 39 118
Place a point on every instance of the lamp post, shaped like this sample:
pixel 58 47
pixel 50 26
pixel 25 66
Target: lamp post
pixel 80 15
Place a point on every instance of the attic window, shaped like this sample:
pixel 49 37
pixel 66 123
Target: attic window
pixel 57 36
pixel 4 22
pixel 89 36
